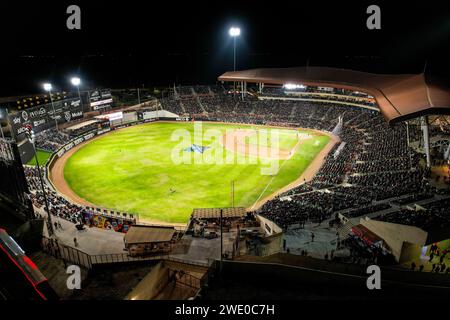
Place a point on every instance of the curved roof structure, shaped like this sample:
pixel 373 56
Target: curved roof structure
pixel 400 97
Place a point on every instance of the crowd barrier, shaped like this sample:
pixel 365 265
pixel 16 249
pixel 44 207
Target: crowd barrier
pixel 75 256
pixel 67 254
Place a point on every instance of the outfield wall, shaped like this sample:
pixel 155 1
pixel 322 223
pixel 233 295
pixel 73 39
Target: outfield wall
pixel 26 150
pixel 102 217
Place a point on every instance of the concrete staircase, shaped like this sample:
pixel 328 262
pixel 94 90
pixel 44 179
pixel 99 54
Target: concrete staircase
pixel 346 229
pixel 194 93
pixel 235 107
pixel 55 271
pixel 182 107
pixel 293 112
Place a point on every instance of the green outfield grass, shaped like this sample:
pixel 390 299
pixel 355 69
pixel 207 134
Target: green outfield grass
pixel 42 158
pixel 134 170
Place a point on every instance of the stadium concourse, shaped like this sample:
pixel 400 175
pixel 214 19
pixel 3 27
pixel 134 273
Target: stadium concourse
pixel 373 172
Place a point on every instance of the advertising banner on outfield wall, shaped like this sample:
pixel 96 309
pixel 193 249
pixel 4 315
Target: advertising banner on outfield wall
pixel 42 117
pixel 105 222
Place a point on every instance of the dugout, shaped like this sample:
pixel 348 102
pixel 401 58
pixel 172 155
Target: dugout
pixel 210 217
pixel 216 213
pixel 143 240
pixel 203 219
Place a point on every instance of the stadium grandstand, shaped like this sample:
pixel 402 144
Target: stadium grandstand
pixel 381 195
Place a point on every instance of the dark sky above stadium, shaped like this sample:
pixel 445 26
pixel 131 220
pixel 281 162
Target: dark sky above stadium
pixel 147 43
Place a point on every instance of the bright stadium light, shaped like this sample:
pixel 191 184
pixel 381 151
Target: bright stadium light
pixel 48 87
pixel 292 86
pixel 235 32
pixel 75 81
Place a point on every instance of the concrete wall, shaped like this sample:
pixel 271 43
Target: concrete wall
pixel 167 114
pixel 159 113
pixel 26 151
pixel 315 283
pixel 395 235
pixel 269 227
pixel 151 285
pixel 410 252
pixel 127 117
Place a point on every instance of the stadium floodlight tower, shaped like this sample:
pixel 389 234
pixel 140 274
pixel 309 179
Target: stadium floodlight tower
pixel 31 137
pixel 76 82
pixel 234 32
pixel 48 88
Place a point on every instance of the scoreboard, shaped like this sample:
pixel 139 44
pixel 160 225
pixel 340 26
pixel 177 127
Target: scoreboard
pixel 100 99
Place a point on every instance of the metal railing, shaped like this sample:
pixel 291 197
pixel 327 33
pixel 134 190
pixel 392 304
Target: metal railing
pixel 184 278
pixel 66 253
pixel 73 255
pixel 122 257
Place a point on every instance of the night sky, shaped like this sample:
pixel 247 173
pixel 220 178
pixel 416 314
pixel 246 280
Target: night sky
pixel 129 44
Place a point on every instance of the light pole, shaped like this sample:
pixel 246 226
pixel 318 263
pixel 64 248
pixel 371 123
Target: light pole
pixel 76 82
pixel 234 32
pixel 49 215
pixel 48 88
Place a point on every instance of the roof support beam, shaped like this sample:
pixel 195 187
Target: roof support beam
pixel 426 139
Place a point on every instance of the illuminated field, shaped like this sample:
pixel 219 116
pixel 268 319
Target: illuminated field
pixel 42 156
pixel 151 170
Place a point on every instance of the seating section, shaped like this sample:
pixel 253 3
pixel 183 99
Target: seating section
pixel 373 170
pixel 374 167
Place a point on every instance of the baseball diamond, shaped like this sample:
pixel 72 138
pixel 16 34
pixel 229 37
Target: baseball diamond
pixel 134 169
pixel 234 151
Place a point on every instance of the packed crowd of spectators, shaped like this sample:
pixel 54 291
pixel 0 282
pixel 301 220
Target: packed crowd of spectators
pixel 414 198
pixel 391 184
pixel 367 210
pixel 337 95
pixel 201 90
pixel 192 106
pixel 51 139
pixel 373 164
pixel 363 253
pixel 184 91
pixel 58 206
pixel 435 216
pixel 87 127
pixel 221 104
pixel 172 105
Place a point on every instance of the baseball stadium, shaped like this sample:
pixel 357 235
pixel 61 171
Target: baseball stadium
pixel 273 181
pixel 321 162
